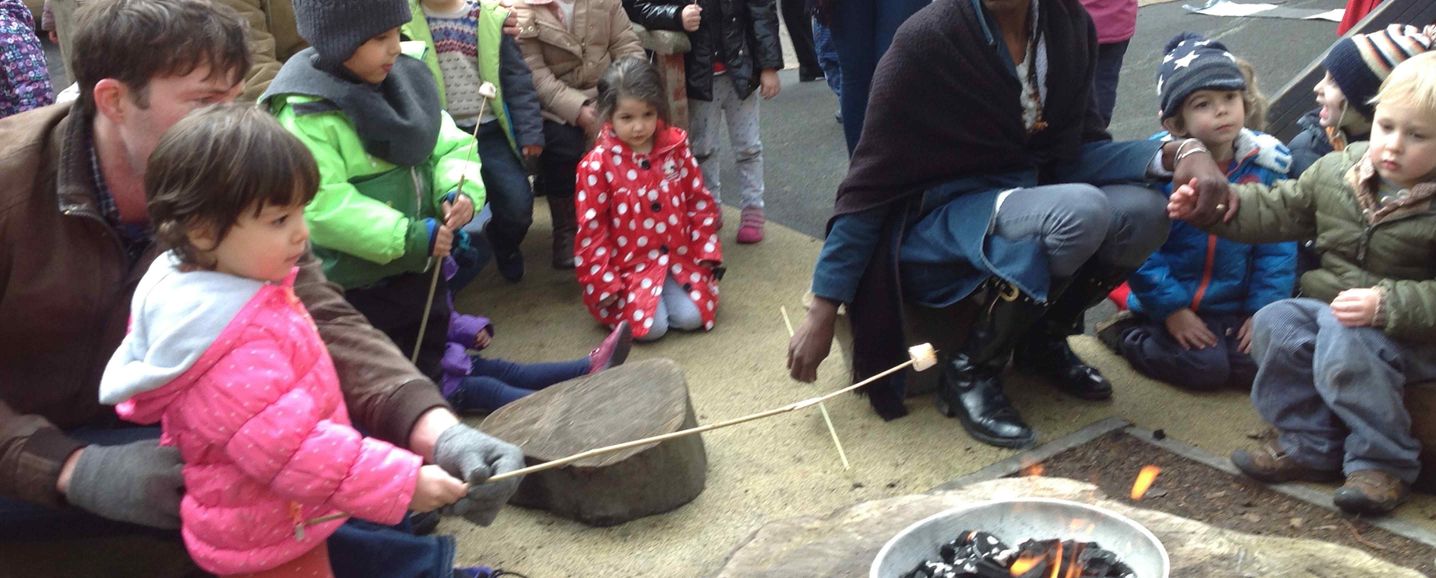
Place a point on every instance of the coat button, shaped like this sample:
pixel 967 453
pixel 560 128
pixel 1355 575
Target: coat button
pixel 656 206
pixel 663 249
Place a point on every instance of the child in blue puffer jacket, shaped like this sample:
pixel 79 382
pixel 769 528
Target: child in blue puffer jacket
pixel 1191 303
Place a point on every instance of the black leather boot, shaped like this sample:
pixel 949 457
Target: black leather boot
pixel 565 226
pixel 1044 350
pixel 970 386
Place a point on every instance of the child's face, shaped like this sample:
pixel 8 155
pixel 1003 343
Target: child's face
pixel 1403 143
pixel 634 121
pixel 1331 100
pixel 263 247
pixel 375 57
pixel 1214 117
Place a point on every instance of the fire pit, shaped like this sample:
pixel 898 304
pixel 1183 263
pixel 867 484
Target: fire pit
pixel 1016 521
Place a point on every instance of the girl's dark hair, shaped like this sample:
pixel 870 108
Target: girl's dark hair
pixel 217 163
pixel 631 77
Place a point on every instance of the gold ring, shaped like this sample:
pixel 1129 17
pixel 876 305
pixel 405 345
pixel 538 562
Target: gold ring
pixel 1221 207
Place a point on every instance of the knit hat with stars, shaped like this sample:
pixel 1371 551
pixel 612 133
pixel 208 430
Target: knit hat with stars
pixel 1361 62
pixel 1194 63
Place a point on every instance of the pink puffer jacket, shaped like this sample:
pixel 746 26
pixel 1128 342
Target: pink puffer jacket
pixel 261 424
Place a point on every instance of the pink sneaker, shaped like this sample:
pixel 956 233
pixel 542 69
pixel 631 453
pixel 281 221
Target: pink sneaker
pixel 750 226
pixel 613 351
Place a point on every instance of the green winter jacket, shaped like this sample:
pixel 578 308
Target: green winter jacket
pixel 1393 250
pixel 490 31
pixel 367 220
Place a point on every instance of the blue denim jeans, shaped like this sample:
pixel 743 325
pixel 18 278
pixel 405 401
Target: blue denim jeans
pixel 862 31
pixel 828 57
pixel 675 310
pixel 1109 69
pixel 507 185
pixel 1334 392
pixel 494 383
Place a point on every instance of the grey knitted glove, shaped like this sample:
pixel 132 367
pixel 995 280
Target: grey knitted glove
pixel 473 456
pixel 139 482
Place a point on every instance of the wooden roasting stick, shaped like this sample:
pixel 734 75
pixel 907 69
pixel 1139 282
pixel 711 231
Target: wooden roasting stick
pixel 823 407
pixel 486 90
pixel 921 357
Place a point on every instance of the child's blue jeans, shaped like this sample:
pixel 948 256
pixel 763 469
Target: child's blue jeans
pixel 1334 392
pixel 496 382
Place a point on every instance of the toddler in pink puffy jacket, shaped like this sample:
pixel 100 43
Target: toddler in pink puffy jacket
pixel 222 353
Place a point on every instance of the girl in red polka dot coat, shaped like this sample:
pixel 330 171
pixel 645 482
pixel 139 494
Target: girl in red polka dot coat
pixel 647 243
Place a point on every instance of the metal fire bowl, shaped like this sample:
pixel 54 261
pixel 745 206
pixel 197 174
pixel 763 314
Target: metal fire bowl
pixel 1015 521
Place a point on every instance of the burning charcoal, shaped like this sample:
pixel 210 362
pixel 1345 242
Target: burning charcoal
pixel 1120 570
pixel 930 569
pixel 982 569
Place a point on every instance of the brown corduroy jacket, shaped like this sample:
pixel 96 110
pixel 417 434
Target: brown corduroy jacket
pixel 65 291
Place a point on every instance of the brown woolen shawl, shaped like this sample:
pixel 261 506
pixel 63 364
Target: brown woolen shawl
pixel 945 106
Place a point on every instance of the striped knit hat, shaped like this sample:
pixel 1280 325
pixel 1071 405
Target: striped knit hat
pixel 1194 63
pixel 1360 63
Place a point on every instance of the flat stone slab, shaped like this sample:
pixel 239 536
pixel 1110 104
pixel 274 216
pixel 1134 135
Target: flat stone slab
pixel 629 402
pixel 845 542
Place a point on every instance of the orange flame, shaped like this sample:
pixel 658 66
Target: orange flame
pixel 1034 468
pixel 1144 481
pixel 1023 564
pixel 1058 565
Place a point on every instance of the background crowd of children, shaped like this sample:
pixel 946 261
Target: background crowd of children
pixel 417 115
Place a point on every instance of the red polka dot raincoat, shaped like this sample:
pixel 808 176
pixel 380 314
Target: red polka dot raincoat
pixel 641 216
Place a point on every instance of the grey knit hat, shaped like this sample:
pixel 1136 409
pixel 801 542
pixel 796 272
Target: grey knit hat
pixel 336 28
pixel 1194 63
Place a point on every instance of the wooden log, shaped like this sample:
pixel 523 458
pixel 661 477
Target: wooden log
pixel 1421 404
pixel 629 402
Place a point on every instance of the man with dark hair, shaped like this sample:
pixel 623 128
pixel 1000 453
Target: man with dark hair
pixel 74 239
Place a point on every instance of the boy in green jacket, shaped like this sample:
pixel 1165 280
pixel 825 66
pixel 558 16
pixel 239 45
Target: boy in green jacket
pixel 1333 364
pixel 390 164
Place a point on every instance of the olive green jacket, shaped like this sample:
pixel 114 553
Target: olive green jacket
pixel 1362 242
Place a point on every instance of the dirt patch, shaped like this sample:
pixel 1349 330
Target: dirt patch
pixel 1200 492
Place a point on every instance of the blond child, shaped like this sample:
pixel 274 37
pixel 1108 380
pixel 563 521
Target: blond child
pixel 1334 362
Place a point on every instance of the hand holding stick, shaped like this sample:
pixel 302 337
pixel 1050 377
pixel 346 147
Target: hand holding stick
pixel 821 406
pixel 921 357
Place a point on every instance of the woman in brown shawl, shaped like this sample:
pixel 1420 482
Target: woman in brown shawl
pixel 985 172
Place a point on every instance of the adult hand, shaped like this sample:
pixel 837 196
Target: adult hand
pixel 458 213
pixel 1244 337
pixel 1356 307
pixel 443 241
pixel 692 16
pixel 1214 198
pixel 474 457
pixel 768 84
pixel 1189 330
pixel 588 119
pixel 435 489
pixel 138 482
pixel 813 340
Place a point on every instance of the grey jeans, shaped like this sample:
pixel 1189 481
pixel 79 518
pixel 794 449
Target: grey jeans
pixel 1119 225
pixel 1334 392
pixel 741 115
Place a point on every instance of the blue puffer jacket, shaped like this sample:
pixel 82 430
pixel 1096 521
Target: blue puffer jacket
pixel 1213 275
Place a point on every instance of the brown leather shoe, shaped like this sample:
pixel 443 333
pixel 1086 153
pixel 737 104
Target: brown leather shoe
pixel 1371 492
pixel 1271 464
